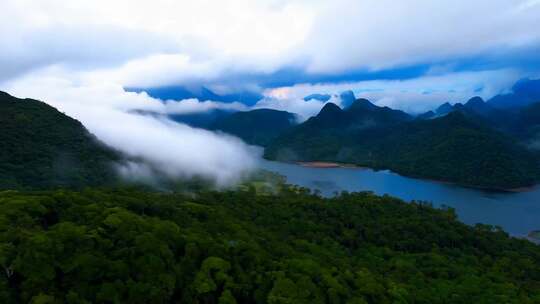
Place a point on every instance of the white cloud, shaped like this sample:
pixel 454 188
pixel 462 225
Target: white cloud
pixel 77 55
pixel 143 43
pixel 414 95
pixel 174 149
pixel 304 109
pixel 27 47
pixel 377 34
pixel 176 41
pixel 188 106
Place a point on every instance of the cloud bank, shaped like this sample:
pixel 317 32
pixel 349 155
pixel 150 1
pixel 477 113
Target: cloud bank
pixel 162 42
pixel 414 95
pixel 175 150
pixel 78 55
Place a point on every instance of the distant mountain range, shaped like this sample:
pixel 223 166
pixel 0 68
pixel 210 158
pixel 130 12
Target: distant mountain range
pixel 203 120
pixel 523 93
pixel 521 121
pixel 256 127
pixel 491 144
pixel 457 147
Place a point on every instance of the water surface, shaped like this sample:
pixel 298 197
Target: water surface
pixel 517 213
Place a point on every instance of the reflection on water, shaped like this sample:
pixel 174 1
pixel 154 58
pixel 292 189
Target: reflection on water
pixel 517 213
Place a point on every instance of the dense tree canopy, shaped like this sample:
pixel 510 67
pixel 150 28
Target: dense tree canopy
pixel 458 147
pixel 248 246
pixel 42 147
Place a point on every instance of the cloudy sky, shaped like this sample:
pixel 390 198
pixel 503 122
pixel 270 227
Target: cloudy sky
pixel 411 47
pixel 80 56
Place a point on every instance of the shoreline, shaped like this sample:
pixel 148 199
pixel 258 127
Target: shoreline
pixel 327 165
pixel 333 165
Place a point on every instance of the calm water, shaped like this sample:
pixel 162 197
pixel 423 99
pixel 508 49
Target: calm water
pixel 517 213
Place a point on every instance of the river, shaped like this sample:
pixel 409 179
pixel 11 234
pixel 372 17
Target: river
pixel 517 213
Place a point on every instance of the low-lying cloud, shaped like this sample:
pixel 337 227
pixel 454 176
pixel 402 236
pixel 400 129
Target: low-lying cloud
pixel 192 105
pixel 412 95
pixel 175 150
pixel 304 109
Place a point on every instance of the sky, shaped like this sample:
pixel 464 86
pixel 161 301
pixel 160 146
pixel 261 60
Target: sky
pixel 413 55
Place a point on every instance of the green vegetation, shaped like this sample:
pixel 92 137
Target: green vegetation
pixel 454 148
pixel 43 148
pixel 134 246
pixel 263 242
pixel 257 127
pixel 527 126
pixel 535 235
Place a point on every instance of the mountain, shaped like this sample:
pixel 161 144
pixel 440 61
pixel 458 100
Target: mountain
pixel 427 115
pixel 321 134
pixel 477 109
pixel 444 109
pixel 524 92
pixel 360 114
pixel 201 119
pixel 527 124
pixel 454 148
pixel 42 148
pixel 530 115
pixel 256 127
pixel 479 106
pixel 261 242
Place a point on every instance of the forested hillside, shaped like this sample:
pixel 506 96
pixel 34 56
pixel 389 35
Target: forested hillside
pixel 256 127
pixel 132 246
pixel 42 148
pixel 458 147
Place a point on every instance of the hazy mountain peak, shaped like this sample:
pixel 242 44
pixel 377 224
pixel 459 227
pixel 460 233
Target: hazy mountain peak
pixel 527 86
pixel 330 108
pixel 477 100
pixel 362 104
pixel 444 109
pixel 479 106
pixel 427 115
pixel 524 92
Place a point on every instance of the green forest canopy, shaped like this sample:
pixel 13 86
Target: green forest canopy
pixel 43 148
pixel 135 246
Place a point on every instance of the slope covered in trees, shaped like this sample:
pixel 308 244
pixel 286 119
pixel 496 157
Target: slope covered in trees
pixel 456 147
pixel 256 127
pixel 42 147
pixel 523 93
pixel 527 123
pixel 132 246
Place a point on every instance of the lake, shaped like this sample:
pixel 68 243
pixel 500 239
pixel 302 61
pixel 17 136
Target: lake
pixel 516 213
